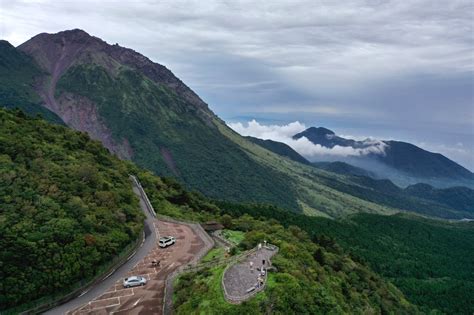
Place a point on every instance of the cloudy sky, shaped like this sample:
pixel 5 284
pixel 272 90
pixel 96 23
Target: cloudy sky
pixel 386 69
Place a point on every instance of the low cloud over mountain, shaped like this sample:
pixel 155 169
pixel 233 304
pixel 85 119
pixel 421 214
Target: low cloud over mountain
pixel 303 146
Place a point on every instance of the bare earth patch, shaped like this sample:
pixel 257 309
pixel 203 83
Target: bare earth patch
pixel 149 298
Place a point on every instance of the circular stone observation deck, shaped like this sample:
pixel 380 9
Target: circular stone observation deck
pixel 244 279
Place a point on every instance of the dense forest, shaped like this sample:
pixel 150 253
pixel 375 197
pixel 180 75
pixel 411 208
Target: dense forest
pixel 312 278
pixel 430 261
pixel 67 207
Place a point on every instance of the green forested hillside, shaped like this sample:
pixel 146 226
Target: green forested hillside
pixel 17 77
pixel 430 261
pixel 279 148
pixel 343 168
pixel 461 198
pixel 310 279
pixel 66 208
pixel 168 137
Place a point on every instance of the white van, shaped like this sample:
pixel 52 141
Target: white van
pixel 166 241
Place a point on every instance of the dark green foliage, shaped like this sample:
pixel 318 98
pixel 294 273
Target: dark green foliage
pixel 17 76
pixel 168 137
pixel 302 285
pixel 66 208
pixel 430 261
pixel 461 198
pixel 311 278
pixel 452 203
pixel 343 168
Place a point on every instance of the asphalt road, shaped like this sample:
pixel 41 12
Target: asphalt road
pixel 101 287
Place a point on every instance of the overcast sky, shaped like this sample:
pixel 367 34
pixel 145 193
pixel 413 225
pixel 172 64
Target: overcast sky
pixel 386 69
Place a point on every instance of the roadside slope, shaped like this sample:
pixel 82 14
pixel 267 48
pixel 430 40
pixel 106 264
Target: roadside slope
pixel 67 208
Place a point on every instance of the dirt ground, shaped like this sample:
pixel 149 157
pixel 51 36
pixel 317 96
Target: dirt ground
pixel 149 298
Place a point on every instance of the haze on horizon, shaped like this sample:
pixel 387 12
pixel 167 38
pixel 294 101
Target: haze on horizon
pixel 385 69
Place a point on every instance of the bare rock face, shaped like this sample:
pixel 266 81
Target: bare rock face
pixel 56 53
pixel 81 114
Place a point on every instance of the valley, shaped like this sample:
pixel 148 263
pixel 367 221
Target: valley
pixel 78 116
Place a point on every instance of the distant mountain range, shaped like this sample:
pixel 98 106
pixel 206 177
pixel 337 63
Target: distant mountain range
pixel 141 112
pixel 401 162
pixel 279 148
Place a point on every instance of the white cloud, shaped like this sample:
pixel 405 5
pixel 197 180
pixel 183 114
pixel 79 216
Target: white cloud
pixel 285 133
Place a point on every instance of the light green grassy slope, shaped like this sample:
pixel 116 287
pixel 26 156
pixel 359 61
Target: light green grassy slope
pixel 314 197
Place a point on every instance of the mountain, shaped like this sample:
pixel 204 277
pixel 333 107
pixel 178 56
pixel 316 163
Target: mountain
pixel 17 74
pixel 141 112
pixel 343 168
pixel 279 148
pixel 326 138
pixel 401 162
pixel 461 198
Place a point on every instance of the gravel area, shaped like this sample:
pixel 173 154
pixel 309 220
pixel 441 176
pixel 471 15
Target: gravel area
pixel 241 277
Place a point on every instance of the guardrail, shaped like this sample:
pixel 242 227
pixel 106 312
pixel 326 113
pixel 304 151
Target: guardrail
pixel 143 194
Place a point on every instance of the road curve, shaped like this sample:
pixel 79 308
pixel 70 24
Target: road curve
pixel 101 287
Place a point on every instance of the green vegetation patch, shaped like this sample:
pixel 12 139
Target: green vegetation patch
pixel 66 208
pixel 234 236
pixel 430 261
pixel 311 278
pixel 168 137
pixel 18 73
pixel 214 254
pixel 201 293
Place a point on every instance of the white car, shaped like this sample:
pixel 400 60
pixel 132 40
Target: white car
pixel 166 241
pixel 133 281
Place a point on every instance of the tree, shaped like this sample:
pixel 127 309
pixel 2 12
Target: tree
pixel 226 221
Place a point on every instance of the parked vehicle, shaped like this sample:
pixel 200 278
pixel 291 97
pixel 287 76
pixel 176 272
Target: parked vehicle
pixel 166 241
pixel 133 281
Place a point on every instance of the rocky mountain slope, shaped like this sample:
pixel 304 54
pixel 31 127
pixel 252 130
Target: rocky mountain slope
pixel 140 111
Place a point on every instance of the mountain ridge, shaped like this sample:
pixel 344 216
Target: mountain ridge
pixel 141 113
pixel 392 159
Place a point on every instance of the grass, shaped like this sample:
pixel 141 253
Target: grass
pixel 312 190
pixel 215 253
pixel 234 236
pixel 209 298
